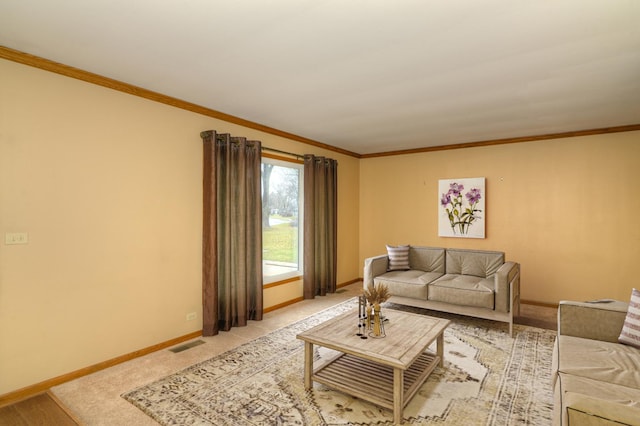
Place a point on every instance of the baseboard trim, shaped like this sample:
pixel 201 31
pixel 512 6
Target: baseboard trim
pixel 543 304
pixel 38 388
pixel 283 304
pixel 300 299
pixel 344 284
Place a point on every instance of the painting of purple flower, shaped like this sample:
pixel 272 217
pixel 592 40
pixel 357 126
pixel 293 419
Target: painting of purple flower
pixel 473 196
pixel 455 189
pixel 461 212
pixel 446 199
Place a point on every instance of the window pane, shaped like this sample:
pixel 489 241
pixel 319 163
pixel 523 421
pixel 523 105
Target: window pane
pixel 281 227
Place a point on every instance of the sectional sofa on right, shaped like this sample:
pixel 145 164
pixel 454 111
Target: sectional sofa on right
pixel 596 379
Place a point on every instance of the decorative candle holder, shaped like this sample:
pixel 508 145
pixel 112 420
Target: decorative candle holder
pixel 362 317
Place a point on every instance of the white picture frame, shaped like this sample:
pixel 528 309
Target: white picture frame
pixel 462 207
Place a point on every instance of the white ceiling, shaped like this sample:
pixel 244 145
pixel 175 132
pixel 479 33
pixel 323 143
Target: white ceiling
pixel 366 76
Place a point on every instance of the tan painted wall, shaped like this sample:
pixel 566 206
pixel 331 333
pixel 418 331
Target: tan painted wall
pixel 566 209
pixel 108 187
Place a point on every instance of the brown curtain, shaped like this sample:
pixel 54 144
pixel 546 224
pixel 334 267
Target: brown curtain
pixel 232 232
pixel 320 225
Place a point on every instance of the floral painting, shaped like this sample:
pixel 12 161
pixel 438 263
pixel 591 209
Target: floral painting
pixel 461 208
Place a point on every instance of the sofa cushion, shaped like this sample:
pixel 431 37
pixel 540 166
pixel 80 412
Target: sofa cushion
pixel 471 262
pixel 398 257
pixel 412 283
pixel 463 290
pixel 428 259
pixel 630 334
pixel 603 361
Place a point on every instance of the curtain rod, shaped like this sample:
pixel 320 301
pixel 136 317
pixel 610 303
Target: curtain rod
pixel 298 156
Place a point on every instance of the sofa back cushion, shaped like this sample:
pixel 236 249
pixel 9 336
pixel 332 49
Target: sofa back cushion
pixel 478 263
pixel 428 259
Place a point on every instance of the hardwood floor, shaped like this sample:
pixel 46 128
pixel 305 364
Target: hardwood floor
pixel 538 316
pixel 41 409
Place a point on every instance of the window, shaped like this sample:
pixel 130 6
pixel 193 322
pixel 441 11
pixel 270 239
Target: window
pixel 282 186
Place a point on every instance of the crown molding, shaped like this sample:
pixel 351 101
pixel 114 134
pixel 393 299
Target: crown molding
pixel 68 71
pixel 600 131
pixel 89 77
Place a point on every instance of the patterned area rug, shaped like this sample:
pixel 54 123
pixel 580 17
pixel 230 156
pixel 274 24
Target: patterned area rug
pixel 488 379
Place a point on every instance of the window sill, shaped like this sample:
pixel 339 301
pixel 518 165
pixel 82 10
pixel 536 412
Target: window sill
pixel 283 281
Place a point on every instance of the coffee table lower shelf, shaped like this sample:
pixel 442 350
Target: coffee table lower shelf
pixel 372 381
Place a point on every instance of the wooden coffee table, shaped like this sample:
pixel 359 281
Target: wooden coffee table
pixel 387 371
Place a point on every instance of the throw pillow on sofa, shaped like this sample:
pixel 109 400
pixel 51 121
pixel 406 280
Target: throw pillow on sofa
pixel 398 258
pixel 630 334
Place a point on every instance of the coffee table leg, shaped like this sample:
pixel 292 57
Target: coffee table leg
pixel 308 365
pixel 440 348
pixel 398 395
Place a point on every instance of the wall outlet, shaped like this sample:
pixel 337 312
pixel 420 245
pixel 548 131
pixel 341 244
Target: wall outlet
pixel 191 316
pixel 16 238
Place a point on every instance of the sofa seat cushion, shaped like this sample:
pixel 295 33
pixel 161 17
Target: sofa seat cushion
pixel 412 283
pixel 586 399
pixel 463 290
pixel 603 361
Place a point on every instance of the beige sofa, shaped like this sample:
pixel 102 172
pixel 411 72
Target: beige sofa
pixel 596 380
pixel 476 283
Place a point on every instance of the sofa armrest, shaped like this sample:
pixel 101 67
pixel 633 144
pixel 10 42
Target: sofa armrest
pixel 374 266
pixel 596 321
pixel 507 285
